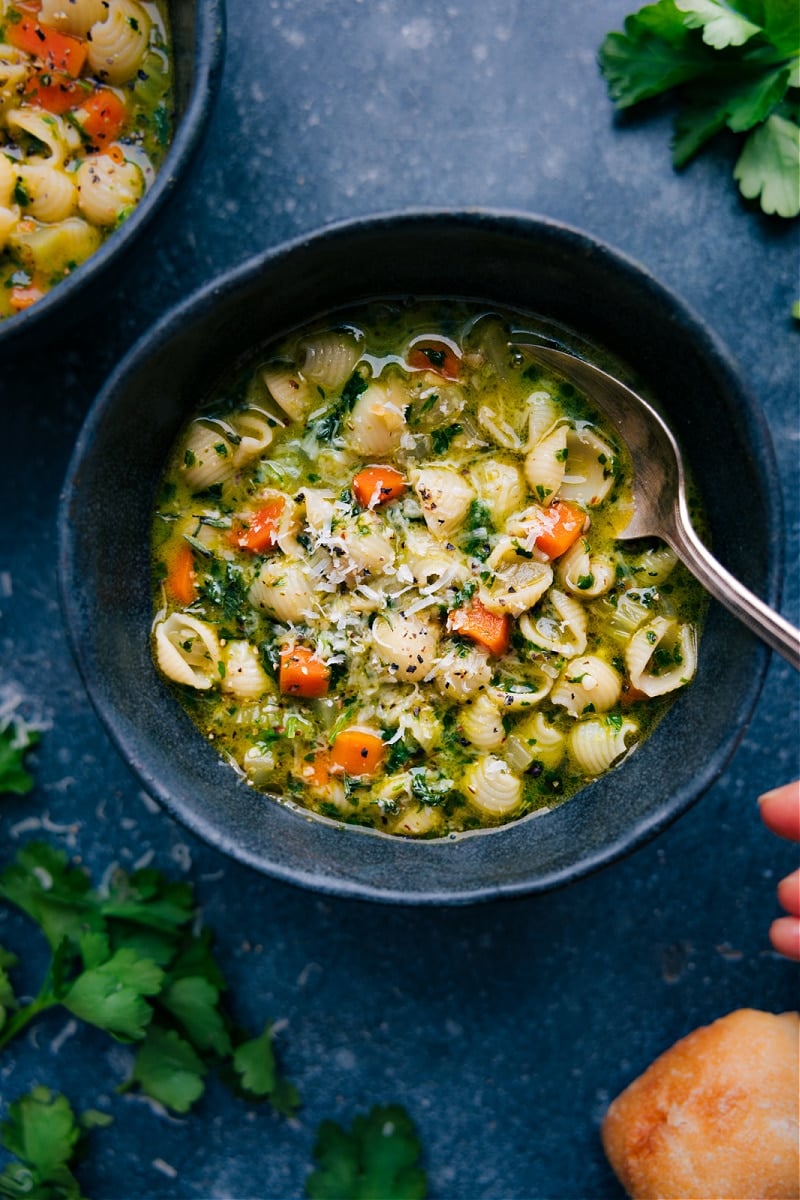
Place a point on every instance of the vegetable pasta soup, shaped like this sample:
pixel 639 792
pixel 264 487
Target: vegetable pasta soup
pixel 387 581
pixel 85 120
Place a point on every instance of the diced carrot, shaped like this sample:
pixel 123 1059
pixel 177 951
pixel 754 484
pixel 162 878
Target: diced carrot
pixel 475 621
pixel 378 485
pixel 261 531
pixel 431 354
pixel 320 773
pixel 302 673
pixel 357 751
pixel 57 51
pixel 180 583
pixel 102 116
pixel 561 525
pixel 630 694
pixel 56 92
pixel 24 297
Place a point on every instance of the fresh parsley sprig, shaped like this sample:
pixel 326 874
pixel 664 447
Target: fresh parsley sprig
pixel 16 739
pixel 377 1157
pixel 129 959
pixel 734 64
pixel 45 1137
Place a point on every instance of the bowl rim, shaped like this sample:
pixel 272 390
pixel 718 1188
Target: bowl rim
pixel 229 281
pixel 208 60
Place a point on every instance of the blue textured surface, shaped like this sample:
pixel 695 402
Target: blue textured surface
pixel 505 1029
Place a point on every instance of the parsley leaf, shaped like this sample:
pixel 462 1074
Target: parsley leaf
pixel 731 65
pixel 15 741
pixel 378 1157
pixel 43 1134
pixel 769 166
pixel 254 1062
pixel 169 1070
pixel 128 959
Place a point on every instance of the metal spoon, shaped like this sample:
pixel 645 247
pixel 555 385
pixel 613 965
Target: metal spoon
pixel 659 495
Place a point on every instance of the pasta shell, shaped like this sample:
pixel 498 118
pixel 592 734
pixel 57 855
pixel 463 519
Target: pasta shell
pixel 587 682
pixel 500 487
pixel 545 464
pixel 55 249
pixel 654 673
pixel 405 645
pixel 520 697
pixel 107 188
pixel 52 195
pixel 588 475
pixel 490 786
pixel 583 574
pixel 117 44
pixel 288 389
pixel 535 740
pixel 58 138
pixel 328 358
pixel 599 743
pixel 187 650
pixel 482 723
pixel 560 628
pixel 418 820
pixel 654 566
pixel 377 420
pixel 208 455
pixel 254 430
pixel 542 416
pixel 244 676
pixel 445 497
pixel 282 589
pixel 462 673
pixel 518 582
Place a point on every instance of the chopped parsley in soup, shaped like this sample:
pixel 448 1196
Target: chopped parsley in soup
pixel 85 121
pixel 387 581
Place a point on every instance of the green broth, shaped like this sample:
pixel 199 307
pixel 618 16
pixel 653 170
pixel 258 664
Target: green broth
pixel 387 580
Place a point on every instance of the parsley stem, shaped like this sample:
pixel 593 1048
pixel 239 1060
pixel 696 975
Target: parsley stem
pixel 23 1016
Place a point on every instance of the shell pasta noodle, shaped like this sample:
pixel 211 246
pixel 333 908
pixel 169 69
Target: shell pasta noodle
pixel 388 584
pixel 86 108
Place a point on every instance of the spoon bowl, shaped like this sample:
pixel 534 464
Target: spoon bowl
pixel 659 495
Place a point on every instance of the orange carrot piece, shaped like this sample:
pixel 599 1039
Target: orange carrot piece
pixel 55 92
pixel 475 621
pixel 102 116
pixel 561 525
pixel 24 297
pixel 262 528
pixel 180 583
pixel 357 752
pixel 302 673
pixel 377 485
pixel 57 51
pixel 430 354
pixel 320 774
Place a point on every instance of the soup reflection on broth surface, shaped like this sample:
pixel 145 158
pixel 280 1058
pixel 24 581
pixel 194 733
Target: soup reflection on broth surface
pixel 387 581
pixel 85 122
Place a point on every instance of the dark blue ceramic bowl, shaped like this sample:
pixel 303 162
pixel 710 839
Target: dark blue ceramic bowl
pixel 505 258
pixel 198 33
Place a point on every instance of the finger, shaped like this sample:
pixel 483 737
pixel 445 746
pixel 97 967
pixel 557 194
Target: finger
pixel 780 810
pixel 785 937
pixel 789 893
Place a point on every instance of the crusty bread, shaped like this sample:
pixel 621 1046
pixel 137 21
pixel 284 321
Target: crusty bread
pixel 715 1117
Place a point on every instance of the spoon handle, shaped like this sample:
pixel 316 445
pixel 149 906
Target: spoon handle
pixel 770 626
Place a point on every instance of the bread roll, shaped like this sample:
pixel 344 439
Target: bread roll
pixel 715 1117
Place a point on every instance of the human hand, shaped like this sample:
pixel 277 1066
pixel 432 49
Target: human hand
pixel 780 811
